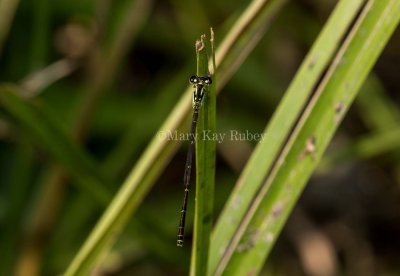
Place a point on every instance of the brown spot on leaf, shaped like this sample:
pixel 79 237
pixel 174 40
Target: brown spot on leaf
pixel 312 63
pixel 277 209
pixel 309 148
pixel 339 109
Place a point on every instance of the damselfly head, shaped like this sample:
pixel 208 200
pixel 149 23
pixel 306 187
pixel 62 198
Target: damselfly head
pixel 196 80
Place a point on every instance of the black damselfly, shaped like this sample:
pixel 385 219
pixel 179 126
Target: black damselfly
pixel 200 85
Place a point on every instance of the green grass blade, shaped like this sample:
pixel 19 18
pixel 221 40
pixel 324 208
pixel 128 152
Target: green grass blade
pixel 313 133
pixel 280 127
pixel 205 167
pixel 44 130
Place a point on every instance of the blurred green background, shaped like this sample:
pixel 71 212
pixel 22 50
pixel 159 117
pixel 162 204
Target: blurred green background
pixel 109 72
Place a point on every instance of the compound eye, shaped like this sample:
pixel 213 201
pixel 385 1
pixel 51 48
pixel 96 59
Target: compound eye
pixel 207 80
pixel 194 79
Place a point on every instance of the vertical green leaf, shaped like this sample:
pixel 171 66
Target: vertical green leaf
pixel 205 164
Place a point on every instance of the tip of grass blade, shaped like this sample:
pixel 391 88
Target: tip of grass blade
pixel 200 43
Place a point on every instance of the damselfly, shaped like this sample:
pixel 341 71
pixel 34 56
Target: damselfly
pixel 200 85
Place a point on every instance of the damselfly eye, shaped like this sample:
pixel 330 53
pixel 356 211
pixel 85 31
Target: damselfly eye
pixel 207 80
pixel 194 79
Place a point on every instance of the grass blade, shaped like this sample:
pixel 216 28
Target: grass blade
pixel 205 166
pixel 314 132
pixel 278 129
